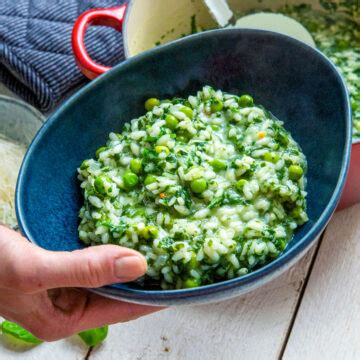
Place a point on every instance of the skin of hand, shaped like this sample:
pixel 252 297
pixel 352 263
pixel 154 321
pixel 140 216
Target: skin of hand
pixel 41 290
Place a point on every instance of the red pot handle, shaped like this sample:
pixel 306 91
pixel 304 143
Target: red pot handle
pixel 112 17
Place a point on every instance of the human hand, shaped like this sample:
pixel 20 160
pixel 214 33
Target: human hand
pixel 36 286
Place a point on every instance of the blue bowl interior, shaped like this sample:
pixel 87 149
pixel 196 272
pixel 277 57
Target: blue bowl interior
pixel 296 83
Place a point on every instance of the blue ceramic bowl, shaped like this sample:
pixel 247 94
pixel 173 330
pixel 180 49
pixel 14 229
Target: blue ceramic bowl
pixel 297 83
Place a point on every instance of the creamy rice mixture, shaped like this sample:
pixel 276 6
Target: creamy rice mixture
pixel 208 188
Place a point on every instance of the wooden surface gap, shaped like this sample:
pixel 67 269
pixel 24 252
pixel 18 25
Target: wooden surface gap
pixel 301 295
pixel 88 354
pixel 327 325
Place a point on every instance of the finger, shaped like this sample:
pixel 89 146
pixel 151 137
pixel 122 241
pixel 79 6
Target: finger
pixel 77 310
pixel 88 312
pixel 91 267
pixel 30 268
pixel 102 311
pixel 59 313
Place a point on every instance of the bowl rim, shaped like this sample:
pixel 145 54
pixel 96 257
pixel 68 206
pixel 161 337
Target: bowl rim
pixel 118 290
pixel 21 103
pixel 128 54
pixel 31 116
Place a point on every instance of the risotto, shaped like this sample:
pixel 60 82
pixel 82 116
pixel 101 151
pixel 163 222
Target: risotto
pixel 208 188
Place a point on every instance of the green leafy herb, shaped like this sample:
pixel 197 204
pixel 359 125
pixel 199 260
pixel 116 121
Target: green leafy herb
pixel 229 197
pixel 216 201
pixel 184 193
pixel 94 337
pixel 19 332
pixel 121 228
pixel 232 198
pixel 149 155
pixel 166 242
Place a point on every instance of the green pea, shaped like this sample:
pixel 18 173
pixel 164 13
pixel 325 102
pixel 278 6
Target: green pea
pixel 191 283
pixel 281 244
pixel 216 105
pixel 99 184
pixel 295 172
pixel 130 179
pixel 18 332
pixel 271 157
pixel 84 165
pixel 193 263
pixel 151 103
pixel 240 184
pixel 171 121
pixel 187 103
pixel 295 213
pixel 94 337
pixel 145 233
pixel 182 138
pixel 187 111
pixel 354 104
pixel 100 150
pixel 149 180
pixel 198 185
pixel 150 231
pixel 153 230
pixel 282 138
pixel 242 271
pixel 276 146
pixel 129 232
pixel 139 212
pixel 119 136
pixel 218 164
pixel 246 101
pixel 185 134
pixel 135 166
pixel 160 148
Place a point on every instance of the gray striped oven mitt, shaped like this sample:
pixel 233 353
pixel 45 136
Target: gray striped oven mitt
pixel 35 47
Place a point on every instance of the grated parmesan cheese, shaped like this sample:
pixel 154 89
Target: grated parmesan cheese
pixel 11 155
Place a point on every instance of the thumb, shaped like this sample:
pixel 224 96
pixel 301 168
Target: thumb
pixel 35 269
pixel 91 267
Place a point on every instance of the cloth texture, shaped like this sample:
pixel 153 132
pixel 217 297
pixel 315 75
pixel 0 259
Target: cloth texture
pixel 36 58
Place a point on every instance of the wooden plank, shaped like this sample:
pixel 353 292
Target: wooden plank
pixel 327 325
pixel 70 349
pixel 251 327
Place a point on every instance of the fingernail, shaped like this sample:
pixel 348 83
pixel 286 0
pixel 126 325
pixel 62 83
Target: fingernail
pixel 129 267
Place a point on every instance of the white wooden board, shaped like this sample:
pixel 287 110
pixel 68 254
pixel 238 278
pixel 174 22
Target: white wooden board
pixel 327 325
pixel 256 326
pixel 251 327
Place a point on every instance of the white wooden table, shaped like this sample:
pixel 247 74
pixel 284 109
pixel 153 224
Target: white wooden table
pixel 310 312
